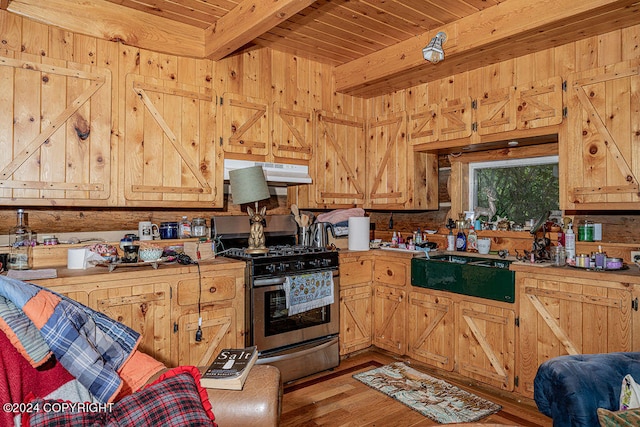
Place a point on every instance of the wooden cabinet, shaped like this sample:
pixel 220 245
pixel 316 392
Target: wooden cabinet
pixel 55 129
pixel 162 305
pixel 291 132
pixel 355 303
pixel 431 328
pixel 389 308
pixel 144 306
pixel 245 125
pixel 564 313
pixel 486 342
pixel 169 156
pixel 340 160
pixel 472 336
pixel 390 276
pixel 219 294
pixel 600 161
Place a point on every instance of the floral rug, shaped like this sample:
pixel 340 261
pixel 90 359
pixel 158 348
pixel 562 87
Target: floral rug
pixel 432 397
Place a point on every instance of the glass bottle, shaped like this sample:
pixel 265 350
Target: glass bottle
pixel 185 228
pixel 21 245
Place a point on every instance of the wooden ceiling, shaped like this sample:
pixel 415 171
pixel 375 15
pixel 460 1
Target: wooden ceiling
pixel 374 45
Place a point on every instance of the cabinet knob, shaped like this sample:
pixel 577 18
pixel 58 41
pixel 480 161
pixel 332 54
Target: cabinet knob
pixel 212 289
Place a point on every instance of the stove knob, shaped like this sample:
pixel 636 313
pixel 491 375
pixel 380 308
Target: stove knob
pixel 315 262
pixel 299 265
pixel 271 268
pixel 282 267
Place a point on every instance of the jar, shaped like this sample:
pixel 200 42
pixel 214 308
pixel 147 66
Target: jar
pixel 558 256
pixel 199 227
pixel 614 263
pixel 583 260
pixel 168 230
pixel 585 232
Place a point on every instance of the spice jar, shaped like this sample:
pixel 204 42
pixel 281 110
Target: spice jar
pixel 199 227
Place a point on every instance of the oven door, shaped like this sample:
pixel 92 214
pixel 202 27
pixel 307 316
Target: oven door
pixel 273 328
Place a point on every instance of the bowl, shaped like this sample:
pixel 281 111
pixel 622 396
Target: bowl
pixel 149 254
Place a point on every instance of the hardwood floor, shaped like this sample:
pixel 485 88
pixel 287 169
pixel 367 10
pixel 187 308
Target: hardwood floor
pixel 334 398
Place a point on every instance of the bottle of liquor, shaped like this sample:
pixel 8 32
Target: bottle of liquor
pixel 21 245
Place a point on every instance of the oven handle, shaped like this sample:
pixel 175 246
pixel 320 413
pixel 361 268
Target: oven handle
pixel 294 355
pixel 279 280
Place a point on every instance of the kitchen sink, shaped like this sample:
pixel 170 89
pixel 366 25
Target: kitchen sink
pixel 473 276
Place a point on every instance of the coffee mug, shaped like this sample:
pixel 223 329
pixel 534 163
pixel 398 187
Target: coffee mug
pixel 147 230
pixel 484 245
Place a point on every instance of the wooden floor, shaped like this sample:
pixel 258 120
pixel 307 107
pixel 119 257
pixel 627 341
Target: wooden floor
pixel 334 398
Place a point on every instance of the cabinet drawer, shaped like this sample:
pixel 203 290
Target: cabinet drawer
pixel 390 272
pixel 356 272
pixel 217 288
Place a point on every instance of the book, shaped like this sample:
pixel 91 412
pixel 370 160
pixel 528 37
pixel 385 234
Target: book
pixel 230 368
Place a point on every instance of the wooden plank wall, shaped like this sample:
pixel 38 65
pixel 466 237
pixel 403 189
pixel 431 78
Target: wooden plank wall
pixel 279 77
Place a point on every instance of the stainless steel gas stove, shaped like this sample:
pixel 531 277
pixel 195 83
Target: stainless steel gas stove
pixel 300 344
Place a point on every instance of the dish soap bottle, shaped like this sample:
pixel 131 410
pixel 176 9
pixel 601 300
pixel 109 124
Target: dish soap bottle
pixel 472 240
pixel 570 244
pixel 451 241
pixel 461 241
pixel 21 245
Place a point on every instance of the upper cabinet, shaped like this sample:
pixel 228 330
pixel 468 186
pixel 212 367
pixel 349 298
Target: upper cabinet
pixel 291 132
pixel 369 163
pixel 483 117
pixel 600 160
pixel 254 130
pixel 55 128
pixel 245 125
pixel 169 156
pixel 339 160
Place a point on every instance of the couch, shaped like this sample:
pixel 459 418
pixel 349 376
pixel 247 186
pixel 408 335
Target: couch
pixel 570 389
pixel 62 363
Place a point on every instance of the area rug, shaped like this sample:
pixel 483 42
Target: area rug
pixel 434 398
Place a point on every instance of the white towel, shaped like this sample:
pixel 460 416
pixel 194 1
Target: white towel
pixel 308 291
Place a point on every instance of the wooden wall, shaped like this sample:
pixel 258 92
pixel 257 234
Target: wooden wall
pixel 279 77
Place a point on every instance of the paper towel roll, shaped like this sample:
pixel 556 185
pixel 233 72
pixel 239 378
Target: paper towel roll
pixel 359 233
pixel 76 258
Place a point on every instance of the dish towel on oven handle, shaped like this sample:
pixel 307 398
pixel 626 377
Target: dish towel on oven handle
pixel 305 292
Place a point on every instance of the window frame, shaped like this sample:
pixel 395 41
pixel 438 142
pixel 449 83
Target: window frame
pixel 485 164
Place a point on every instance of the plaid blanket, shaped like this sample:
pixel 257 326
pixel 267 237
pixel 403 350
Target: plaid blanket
pixel 89 344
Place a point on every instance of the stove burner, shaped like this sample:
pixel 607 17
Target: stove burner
pixel 286 260
pixel 277 251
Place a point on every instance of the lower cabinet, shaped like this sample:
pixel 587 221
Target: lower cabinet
pixel 218 293
pixel 356 272
pixel 486 343
pixel 145 307
pixel 164 305
pixel 562 314
pixel 355 319
pixel 389 308
pixel 474 338
pixel 391 276
pixel 431 329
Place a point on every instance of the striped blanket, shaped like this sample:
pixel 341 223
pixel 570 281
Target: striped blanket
pixel 90 345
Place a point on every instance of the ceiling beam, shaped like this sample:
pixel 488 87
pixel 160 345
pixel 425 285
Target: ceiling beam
pixel 109 21
pixel 495 32
pixel 247 21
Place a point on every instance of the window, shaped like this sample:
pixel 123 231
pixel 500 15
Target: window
pixel 523 188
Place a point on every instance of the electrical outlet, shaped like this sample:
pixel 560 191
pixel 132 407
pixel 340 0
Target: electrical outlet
pixel 635 256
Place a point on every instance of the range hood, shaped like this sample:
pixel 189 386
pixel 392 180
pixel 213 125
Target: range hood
pixel 275 173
